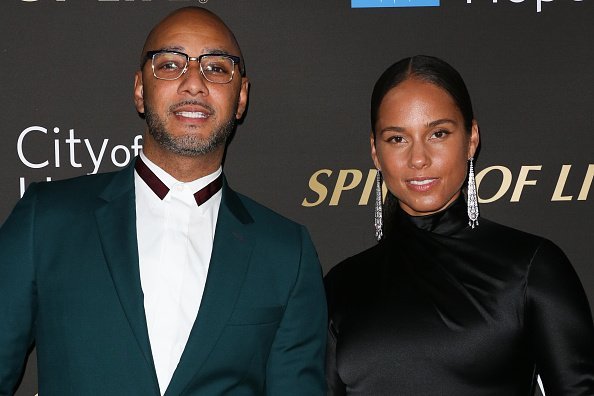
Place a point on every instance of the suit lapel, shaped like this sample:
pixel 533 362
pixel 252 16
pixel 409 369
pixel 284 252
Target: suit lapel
pixel 116 221
pixel 228 265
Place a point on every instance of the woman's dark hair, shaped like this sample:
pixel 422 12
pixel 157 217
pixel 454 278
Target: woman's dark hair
pixel 428 69
pixel 424 68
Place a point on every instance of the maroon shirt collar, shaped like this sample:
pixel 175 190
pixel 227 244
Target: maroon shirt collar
pixel 161 190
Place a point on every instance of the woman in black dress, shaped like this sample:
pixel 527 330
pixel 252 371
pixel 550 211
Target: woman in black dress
pixel 441 305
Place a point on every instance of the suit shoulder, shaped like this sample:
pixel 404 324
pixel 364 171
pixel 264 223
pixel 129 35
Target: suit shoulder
pixel 77 189
pixel 265 216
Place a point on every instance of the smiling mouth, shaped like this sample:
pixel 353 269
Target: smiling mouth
pixel 422 182
pixel 192 114
pixel 192 110
pixel 422 185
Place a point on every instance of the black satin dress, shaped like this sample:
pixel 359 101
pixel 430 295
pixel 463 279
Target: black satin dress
pixel 443 309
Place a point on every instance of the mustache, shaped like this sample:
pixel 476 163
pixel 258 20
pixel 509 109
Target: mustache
pixel 192 102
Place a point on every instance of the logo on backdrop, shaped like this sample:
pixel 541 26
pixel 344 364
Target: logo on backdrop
pixel 65 150
pixel 430 3
pixel 538 2
pixel 327 186
pixel 393 3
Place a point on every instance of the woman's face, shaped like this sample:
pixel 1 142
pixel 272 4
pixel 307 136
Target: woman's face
pixel 421 147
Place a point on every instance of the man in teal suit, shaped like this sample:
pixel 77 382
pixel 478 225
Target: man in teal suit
pixel 160 279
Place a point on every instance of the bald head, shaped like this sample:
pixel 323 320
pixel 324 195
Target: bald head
pixel 189 19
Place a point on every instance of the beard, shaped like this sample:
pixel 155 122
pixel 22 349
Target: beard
pixel 189 145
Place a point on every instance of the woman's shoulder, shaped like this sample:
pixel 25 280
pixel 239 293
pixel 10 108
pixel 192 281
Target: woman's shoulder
pixel 506 237
pixel 529 250
pixel 354 267
pixel 352 278
pixel 510 232
pixel 354 270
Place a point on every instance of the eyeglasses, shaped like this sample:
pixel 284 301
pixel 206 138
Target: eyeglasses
pixel 170 65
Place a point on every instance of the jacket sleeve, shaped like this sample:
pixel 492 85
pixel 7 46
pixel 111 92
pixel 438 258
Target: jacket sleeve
pixel 17 291
pixel 560 324
pixel 296 362
pixel 335 385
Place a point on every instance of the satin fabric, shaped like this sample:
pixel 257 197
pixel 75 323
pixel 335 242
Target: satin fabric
pixel 438 308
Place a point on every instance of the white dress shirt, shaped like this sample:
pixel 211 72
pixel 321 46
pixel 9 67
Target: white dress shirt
pixel 175 238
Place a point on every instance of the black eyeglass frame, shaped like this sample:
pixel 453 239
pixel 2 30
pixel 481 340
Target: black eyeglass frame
pixel 151 55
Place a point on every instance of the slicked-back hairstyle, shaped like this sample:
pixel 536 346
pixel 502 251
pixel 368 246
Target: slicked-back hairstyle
pixel 429 69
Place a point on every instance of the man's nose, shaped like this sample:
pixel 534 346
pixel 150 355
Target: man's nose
pixel 193 81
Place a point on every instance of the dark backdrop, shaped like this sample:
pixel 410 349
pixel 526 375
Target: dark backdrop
pixel 66 72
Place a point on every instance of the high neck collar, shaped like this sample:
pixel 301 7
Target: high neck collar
pixel 445 222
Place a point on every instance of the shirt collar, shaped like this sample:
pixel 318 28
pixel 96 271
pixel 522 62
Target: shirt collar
pixel 162 182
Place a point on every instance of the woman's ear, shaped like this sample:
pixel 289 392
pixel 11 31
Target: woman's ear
pixel 373 151
pixel 474 139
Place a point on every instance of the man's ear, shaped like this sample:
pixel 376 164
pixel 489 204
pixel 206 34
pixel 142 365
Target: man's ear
pixel 138 92
pixel 243 97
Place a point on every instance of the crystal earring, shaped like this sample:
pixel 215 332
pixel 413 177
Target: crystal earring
pixel 378 222
pixel 472 198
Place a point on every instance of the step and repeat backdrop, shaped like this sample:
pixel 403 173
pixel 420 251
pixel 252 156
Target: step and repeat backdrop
pixel 67 66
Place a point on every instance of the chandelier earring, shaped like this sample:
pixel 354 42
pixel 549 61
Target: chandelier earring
pixel 472 198
pixel 378 221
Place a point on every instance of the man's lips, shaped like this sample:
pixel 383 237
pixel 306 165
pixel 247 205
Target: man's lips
pixel 191 114
pixel 192 110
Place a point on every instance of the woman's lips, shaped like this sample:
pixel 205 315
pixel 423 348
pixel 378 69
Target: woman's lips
pixel 421 184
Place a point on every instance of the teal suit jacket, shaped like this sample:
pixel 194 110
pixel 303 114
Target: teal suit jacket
pixel 70 283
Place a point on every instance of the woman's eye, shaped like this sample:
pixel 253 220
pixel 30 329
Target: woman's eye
pixel 440 134
pixel 396 139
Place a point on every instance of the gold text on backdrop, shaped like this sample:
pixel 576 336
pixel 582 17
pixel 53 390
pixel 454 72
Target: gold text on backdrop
pixel 328 183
